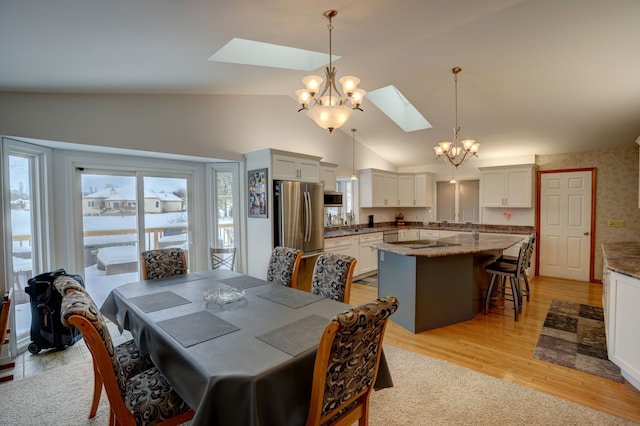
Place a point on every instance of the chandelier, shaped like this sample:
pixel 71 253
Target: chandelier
pixel 330 110
pixel 457 152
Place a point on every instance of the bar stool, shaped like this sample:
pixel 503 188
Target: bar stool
pixel 514 260
pixel 511 271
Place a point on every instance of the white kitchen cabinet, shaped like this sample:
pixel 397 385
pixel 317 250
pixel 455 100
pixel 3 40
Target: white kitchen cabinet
pixel 367 256
pixel 408 234
pixel 378 188
pixel 429 234
pixel 423 189
pixel 507 186
pixel 297 167
pixel 406 190
pixel 338 245
pixel 623 345
pixel 328 176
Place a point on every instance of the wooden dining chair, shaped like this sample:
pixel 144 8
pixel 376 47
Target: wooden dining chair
pixel 144 399
pixel 346 364
pixel 4 324
pixel 332 276
pixel 163 263
pixel 132 360
pixel 283 266
pixel 223 258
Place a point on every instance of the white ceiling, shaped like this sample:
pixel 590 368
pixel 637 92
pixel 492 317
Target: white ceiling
pixel 538 76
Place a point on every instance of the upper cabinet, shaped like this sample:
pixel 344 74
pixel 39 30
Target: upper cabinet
pixel 378 188
pixel 298 167
pixel 406 190
pixel 507 186
pixel 423 190
pixel 328 176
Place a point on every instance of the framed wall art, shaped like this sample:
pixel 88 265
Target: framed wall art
pixel 257 180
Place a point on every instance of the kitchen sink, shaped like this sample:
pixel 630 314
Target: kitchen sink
pixel 420 244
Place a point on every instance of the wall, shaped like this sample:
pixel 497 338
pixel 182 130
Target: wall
pixel 616 192
pixel 209 126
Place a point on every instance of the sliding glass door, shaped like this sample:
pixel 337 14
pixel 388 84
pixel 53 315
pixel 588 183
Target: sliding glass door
pixel 115 207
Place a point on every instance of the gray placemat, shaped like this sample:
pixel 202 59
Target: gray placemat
pixel 177 279
pixel 244 281
pixel 297 337
pixel 158 301
pixel 293 299
pixel 195 328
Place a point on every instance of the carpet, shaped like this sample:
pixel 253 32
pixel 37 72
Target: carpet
pixel 426 391
pixel 573 336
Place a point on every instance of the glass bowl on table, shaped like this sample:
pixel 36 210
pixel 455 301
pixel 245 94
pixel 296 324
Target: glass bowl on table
pixel 223 296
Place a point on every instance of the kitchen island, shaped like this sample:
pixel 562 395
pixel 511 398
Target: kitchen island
pixel 438 282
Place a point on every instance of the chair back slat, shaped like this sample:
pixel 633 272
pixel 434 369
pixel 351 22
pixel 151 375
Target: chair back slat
pixel 223 258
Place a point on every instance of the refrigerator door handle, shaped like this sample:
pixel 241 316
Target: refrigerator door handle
pixel 307 216
pixel 310 221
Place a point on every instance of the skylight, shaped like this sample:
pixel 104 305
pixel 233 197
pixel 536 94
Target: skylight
pixel 393 103
pixel 249 52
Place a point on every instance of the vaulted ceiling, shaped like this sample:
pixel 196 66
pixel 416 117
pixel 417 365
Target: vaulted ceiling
pixel 538 76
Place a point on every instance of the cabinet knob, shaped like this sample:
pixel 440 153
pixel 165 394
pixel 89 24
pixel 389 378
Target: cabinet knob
pixel 586 233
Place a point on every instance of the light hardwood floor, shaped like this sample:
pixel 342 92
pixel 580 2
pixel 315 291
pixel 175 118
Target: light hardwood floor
pixel 496 345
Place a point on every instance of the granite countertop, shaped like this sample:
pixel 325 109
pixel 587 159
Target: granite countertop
pixel 623 257
pixel 464 244
pixel 438 226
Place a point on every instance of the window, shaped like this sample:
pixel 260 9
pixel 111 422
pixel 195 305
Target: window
pixel 459 202
pixel 25 195
pixel 340 215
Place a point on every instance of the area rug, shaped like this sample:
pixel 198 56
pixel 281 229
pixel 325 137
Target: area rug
pixel 573 336
pixel 370 281
pixel 426 391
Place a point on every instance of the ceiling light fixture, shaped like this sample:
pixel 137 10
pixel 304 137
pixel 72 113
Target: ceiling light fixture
pixel 457 152
pixel 453 176
pixel 330 111
pixel 353 156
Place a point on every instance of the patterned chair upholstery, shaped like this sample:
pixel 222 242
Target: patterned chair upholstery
pixel 132 360
pixel 283 266
pixel 163 263
pixel 332 276
pixel 347 362
pixel 143 399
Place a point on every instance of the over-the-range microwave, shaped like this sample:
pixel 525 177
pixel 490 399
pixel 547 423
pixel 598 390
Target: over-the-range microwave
pixel 333 199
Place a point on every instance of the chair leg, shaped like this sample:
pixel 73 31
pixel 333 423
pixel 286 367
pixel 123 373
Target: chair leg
pixel 487 298
pixel 97 390
pixel 526 292
pixel 515 289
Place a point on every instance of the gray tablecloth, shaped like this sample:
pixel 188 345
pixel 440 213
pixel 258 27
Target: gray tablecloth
pixel 234 378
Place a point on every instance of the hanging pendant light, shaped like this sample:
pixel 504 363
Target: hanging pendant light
pixel 330 111
pixel 353 156
pixel 457 152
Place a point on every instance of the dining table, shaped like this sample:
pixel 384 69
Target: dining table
pixel 243 356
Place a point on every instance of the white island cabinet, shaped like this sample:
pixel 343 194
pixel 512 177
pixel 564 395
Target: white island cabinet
pixel 620 302
pixel 622 317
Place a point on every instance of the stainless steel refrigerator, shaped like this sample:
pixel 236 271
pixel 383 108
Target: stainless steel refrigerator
pixel 299 215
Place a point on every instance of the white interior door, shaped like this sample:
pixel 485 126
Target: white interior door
pixel 565 225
